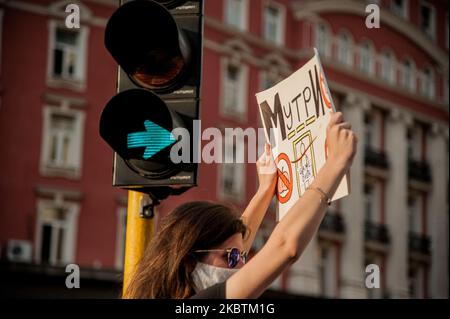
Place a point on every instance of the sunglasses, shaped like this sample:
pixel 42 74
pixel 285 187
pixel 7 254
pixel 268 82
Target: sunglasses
pixel 234 255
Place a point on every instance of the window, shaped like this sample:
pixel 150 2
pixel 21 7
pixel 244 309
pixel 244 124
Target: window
pixel 274 24
pixel 323 40
pixel 234 97
pixel 416 278
pixel 67 56
pixel 407 78
pixel 368 202
pixel 428 85
pixel 236 13
pixel 414 142
pixel 427 19
pixel 400 8
pixel 232 174
pixel 446 88
pixel 414 214
pixel 366 61
pixel 120 237
pixel 269 79
pixel 344 53
pixel 327 270
pixel 55 235
pixel 387 67
pixel 62 142
pixel 368 130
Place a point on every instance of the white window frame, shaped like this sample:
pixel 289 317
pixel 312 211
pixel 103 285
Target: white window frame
pixel 120 237
pixel 327 40
pixel 408 84
pixel 244 18
pixel 70 225
pixel 240 111
pixel 281 21
pixel 371 68
pixel 265 75
pixel 73 170
pixel 238 195
pixel 404 11
pixel 346 58
pixel 432 32
pixel 388 66
pixel 428 83
pixel 79 82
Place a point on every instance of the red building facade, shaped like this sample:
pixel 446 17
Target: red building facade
pixel 55 190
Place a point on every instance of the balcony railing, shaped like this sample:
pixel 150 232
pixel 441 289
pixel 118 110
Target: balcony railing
pixel 375 158
pixel 376 232
pixel 419 243
pixel 333 222
pixel 419 170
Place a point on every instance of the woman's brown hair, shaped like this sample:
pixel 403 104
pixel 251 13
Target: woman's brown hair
pixel 165 268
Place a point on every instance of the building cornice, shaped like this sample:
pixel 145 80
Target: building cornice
pixel 53 10
pixel 305 9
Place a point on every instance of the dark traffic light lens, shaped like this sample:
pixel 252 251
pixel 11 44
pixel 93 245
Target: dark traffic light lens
pixel 160 71
pixel 144 39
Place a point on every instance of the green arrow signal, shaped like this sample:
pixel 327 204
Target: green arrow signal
pixel 154 139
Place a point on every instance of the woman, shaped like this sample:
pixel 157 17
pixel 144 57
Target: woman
pixel 200 248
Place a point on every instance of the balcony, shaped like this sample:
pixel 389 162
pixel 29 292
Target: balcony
pixel 419 243
pixel 375 158
pixel 375 232
pixel 332 222
pixel 419 171
pixel 332 227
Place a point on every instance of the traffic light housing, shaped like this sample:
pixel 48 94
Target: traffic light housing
pixel 158 47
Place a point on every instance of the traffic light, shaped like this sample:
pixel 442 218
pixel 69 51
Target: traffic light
pixel 158 47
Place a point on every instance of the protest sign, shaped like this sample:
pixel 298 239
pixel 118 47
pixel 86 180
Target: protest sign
pixel 295 114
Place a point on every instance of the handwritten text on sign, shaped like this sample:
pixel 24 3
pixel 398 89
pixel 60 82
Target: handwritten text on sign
pixel 295 114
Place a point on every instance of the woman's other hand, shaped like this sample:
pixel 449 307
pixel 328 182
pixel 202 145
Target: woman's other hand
pixel 267 171
pixel 341 141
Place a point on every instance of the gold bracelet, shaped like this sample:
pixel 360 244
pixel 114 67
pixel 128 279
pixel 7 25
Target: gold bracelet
pixel 323 197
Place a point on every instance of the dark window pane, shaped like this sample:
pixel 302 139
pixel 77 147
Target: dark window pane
pixel 57 62
pixel 66 37
pixel 46 243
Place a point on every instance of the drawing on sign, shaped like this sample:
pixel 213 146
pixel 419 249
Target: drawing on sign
pixel 324 91
pixel 297 111
pixel 306 166
pixel 285 182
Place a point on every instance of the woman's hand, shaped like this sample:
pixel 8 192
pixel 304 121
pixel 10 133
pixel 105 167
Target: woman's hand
pixel 341 141
pixel 267 171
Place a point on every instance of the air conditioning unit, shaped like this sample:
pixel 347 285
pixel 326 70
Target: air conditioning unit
pixel 19 251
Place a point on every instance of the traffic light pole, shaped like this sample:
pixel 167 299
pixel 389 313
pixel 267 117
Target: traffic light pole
pixel 139 231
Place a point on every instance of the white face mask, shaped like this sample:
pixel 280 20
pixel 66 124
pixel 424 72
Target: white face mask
pixel 205 275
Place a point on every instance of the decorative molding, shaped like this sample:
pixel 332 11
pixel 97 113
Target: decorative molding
pixel 383 103
pixel 250 38
pixel 303 9
pixel 58 99
pixel 64 194
pixel 52 11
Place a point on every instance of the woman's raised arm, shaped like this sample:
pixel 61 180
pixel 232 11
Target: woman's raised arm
pixel 257 208
pixel 293 233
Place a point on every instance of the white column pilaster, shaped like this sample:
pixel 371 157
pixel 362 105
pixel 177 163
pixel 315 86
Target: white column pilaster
pixel 304 273
pixel 352 268
pixel 396 204
pixel 438 226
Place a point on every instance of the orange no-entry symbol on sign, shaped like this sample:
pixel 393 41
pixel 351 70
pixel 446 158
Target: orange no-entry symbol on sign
pixel 285 178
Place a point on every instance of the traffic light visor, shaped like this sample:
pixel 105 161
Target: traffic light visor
pixel 144 39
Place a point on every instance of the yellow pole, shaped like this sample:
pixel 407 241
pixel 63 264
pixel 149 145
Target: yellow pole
pixel 138 234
